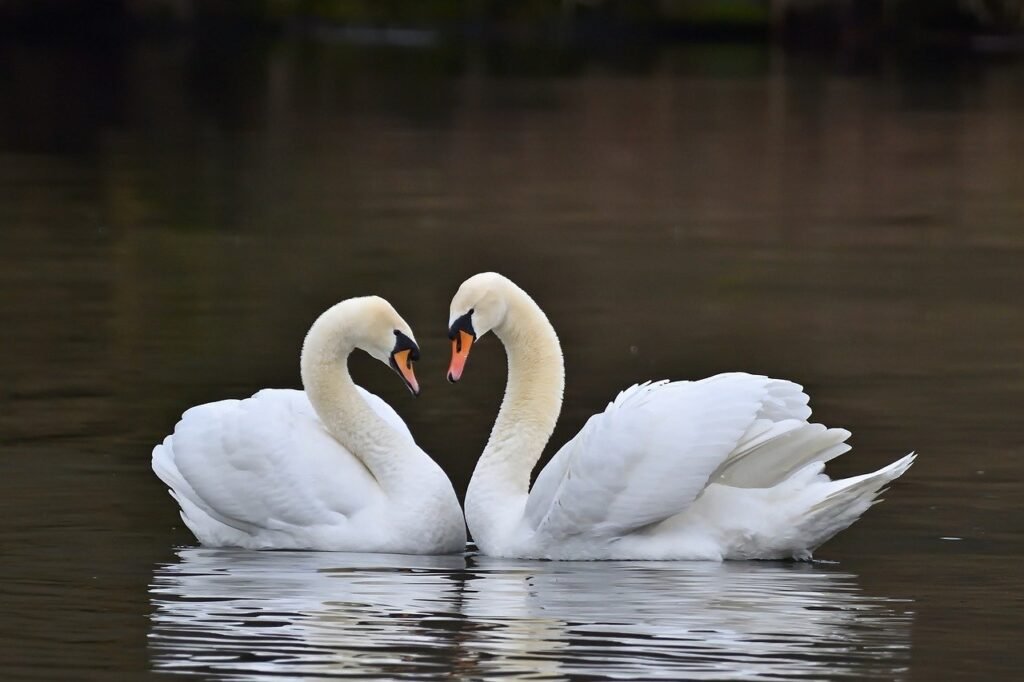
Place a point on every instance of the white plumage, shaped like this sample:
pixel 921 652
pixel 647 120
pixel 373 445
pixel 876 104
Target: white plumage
pixel 723 468
pixel 269 472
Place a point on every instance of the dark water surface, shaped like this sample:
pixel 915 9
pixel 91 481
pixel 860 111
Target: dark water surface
pixel 175 215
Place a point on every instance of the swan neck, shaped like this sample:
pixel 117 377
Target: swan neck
pixel 334 395
pixel 529 410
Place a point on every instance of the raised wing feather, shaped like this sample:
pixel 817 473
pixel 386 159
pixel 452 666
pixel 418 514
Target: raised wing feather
pixel 267 462
pixel 652 452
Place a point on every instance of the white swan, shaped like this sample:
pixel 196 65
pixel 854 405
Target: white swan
pixel 329 468
pixel 723 468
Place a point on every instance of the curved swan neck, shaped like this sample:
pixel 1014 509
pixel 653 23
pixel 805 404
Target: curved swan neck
pixel 533 399
pixel 336 399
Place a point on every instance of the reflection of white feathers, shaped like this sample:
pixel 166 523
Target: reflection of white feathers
pixel 265 615
pixel 245 614
pixel 685 620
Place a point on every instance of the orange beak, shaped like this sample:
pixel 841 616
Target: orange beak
pixel 402 362
pixel 460 353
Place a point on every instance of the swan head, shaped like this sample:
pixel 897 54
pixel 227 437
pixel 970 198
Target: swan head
pixel 479 306
pixel 388 338
pixel 369 323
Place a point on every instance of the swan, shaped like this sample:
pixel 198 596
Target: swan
pixel 727 467
pixel 330 468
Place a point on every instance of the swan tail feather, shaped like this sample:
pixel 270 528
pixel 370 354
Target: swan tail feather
pixel 846 500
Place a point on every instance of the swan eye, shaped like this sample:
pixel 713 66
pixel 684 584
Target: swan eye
pixel 462 324
pixel 403 342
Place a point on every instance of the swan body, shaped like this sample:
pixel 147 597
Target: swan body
pixel 332 467
pixel 728 467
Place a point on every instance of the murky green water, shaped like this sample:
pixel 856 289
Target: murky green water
pixel 175 215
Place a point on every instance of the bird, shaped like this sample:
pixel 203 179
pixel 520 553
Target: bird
pixel 724 468
pixel 331 467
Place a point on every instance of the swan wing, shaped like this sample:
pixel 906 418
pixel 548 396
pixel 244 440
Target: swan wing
pixel 266 463
pixel 655 448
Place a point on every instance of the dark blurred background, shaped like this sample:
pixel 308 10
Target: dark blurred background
pixel 830 192
pixel 987 24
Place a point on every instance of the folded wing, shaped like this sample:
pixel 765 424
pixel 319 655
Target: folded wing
pixel 264 463
pixel 655 448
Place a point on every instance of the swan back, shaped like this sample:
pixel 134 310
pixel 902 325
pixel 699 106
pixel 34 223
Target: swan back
pixel 264 473
pixel 264 462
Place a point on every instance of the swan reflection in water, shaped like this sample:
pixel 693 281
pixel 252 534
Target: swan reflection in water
pixel 261 615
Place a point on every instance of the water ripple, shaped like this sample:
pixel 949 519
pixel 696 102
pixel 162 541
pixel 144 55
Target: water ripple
pixel 252 616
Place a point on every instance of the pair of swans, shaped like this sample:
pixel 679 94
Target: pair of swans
pixel 723 468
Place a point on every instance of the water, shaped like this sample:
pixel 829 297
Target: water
pixel 239 614
pixel 175 214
